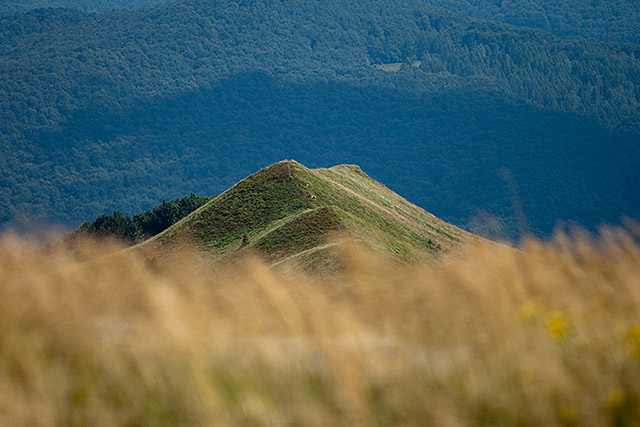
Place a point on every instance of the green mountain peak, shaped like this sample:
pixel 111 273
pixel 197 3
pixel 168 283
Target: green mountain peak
pixel 287 210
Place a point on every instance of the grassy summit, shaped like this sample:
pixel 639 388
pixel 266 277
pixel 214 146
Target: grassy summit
pixel 287 210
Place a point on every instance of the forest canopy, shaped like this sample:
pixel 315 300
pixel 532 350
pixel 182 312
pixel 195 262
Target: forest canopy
pixel 120 110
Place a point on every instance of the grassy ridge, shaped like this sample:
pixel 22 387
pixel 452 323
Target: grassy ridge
pixel 302 233
pixel 287 208
pixel 247 208
pixel 547 335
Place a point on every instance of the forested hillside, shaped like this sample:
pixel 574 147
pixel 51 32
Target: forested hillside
pixel 11 7
pixel 485 125
pixel 611 20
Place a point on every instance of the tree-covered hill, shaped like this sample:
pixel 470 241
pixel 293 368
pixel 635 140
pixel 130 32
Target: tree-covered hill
pixel 64 58
pixel 472 120
pixel 11 7
pixel 610 21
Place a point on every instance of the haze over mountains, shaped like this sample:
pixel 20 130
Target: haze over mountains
pixel 500 129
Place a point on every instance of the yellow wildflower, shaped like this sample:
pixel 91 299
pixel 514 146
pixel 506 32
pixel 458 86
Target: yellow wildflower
pixel 557 324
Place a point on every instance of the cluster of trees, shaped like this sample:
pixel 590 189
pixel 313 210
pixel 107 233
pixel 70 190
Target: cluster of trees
pixel 143 225
pixel 118 110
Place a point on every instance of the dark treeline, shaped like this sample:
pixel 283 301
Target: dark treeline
pixel 143 225
pixel 118 110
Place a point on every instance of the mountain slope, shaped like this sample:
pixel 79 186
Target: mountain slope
pixel 613 20
pixel 11 7
pixel 610 21
pixel 287 210
pixel 120 110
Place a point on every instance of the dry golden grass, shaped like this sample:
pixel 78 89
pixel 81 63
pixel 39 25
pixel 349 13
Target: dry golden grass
pixel 546 335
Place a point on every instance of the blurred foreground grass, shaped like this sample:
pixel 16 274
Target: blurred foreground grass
pixel 546 335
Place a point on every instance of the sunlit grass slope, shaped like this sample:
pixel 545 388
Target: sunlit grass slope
pixel 287 211
pixel 544 336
